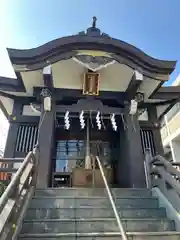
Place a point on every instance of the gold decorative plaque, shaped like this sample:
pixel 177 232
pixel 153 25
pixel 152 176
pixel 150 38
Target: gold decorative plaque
pixel 91 83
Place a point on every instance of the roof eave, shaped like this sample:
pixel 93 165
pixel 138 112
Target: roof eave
pixel 64 45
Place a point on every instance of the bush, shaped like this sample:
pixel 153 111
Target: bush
pixel 3 186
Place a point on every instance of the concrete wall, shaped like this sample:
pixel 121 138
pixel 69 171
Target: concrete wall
pixel 175 150
pixel 170 134
pixel 171 130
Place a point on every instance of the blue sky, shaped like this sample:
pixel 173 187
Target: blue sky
pixel 151 25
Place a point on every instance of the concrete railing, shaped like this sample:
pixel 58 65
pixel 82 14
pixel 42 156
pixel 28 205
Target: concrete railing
pixel 164 175
pixel 15 199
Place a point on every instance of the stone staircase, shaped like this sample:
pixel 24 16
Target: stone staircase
pixel 70 213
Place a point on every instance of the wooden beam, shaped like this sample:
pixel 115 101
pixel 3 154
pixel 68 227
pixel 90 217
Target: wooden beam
pixel 167 109
pixel 12 84
pixel 5 112
pixel 24 119
pixel 59 94
pixel 149 104
pixel 170 92
pixel 171 89
pixel 134 84
pixel 147 125
pixel 7 95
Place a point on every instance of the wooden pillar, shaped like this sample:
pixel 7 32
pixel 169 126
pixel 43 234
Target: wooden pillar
pixel 11 140
pixel 45 142
pixel 152 114
pixel 132 159
pixel 123 168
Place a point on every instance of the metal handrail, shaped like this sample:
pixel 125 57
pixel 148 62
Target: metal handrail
pixel 121 228
pixel 10 188
pixel 16 194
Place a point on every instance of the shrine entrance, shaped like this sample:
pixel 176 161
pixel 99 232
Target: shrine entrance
pixel 69 164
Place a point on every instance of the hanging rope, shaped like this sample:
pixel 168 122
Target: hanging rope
pixel 123 121
pixel 91 119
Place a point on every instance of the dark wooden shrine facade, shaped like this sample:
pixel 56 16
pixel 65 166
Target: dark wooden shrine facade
pixel 90 71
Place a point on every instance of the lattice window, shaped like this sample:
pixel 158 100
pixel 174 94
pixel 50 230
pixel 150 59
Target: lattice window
pixel 147 141
pixel 26 138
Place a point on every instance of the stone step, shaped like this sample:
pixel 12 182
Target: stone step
pixel 76 192
pixel 93 213
pixel 103 236
pixel 95 225
pixel 47 202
